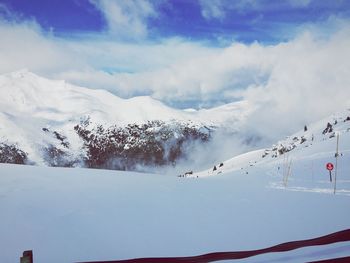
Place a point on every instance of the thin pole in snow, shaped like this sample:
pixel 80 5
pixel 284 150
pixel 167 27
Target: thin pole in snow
pixel 287 170
pixel 312 171
pixel 336 163
pixel 285 160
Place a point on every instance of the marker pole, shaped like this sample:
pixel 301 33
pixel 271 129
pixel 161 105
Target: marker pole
pixel 336 164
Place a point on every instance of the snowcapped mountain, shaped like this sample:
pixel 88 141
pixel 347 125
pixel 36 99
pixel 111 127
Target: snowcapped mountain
pixel 58 101
pixel 55 123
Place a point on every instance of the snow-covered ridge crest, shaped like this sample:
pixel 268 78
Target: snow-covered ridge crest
pixel 25 92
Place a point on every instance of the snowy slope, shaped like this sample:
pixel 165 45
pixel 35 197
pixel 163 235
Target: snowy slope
pixel 313 144
pixel 87 214
pixel 29 103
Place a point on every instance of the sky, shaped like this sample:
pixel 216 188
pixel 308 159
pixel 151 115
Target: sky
pixel 285 57
pixel 218 22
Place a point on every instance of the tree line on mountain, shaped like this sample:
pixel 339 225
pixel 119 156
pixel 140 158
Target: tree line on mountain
pixel 154 143
pixel 11 153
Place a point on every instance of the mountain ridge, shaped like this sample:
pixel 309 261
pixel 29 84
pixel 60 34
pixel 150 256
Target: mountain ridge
pixel 29 92
pixel 41 115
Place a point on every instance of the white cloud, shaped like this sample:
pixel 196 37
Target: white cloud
pixel 292 83
pixel 217 9
pixel 24 46
pixel 212 9
pixel 309 80
pixel 126 19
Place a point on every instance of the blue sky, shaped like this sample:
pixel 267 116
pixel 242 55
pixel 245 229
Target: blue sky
pixel 216 21
pixel 284 57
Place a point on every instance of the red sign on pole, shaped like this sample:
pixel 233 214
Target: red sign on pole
pixel 329 166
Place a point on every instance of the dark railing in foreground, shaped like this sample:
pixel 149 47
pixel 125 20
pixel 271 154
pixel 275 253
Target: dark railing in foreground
pixel 340 236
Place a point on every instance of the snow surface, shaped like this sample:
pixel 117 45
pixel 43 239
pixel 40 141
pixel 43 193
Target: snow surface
pixel 86 214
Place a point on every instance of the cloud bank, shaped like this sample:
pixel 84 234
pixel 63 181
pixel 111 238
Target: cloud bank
pixel 291 83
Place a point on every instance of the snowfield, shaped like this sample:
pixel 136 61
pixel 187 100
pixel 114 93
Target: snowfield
pixel 71 215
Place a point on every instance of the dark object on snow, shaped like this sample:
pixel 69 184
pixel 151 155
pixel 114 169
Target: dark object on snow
pixel 305 128
pixel 189 173
pixel 332 238
pixel 27 257
pixel 221 165
pixel 347 119
pixel 328 129
pixel 214 169
pixel 45 129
